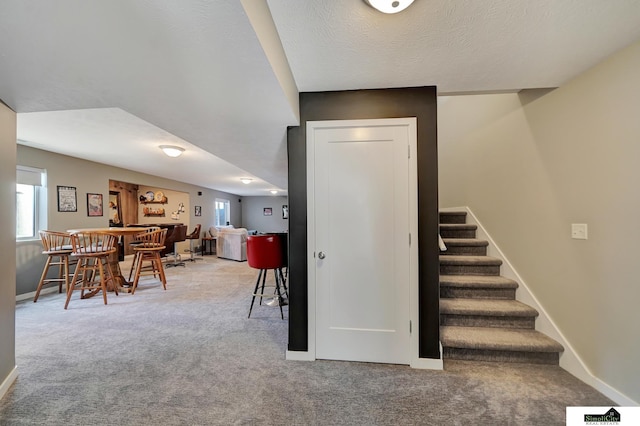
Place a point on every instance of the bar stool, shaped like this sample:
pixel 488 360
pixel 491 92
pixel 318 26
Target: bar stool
pixel 92 250
pixel 195 235
pixel 137 240
pixel 179 234
pixel 149 248
pixel 264 253
pixel 55 245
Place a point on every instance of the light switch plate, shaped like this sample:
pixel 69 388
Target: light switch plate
pixel 579 231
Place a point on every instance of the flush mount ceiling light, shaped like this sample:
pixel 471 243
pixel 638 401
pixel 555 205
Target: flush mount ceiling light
pixel 273 191
pixel 389 6
pixel 246 181
pixel 171 150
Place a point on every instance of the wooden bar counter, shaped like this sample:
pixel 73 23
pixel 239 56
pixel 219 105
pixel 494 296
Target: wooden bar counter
pixel 123 284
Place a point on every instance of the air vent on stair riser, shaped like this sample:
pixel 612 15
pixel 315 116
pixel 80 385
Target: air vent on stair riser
pixel 479 316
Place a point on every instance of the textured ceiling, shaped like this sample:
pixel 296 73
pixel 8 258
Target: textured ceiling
pixel 196 72
pixel 92 131
pixel 194 69
pixel 456 45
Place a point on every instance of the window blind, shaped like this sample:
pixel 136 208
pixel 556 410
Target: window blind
pixel 29 175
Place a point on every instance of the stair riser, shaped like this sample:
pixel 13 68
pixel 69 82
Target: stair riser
pixel 453 218
pixel 465 250
pixel 501 356
pixel 477 293
pixel 487 321
pixel 470 270
pixel 457 233
pixel 454 226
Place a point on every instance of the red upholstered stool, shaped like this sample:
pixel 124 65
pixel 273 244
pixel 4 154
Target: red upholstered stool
pixel 264 252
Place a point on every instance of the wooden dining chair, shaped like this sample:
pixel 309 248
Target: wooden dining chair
pixel 57 247
pixel 93 272
pixel 148 250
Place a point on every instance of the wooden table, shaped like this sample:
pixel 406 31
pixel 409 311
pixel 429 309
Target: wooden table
pixel 123 284
pixel 212 245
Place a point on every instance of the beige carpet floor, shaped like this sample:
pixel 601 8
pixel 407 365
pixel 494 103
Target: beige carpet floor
pixel 190 356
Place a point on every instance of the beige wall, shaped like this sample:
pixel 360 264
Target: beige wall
pixel 92 177
pixel 7 244
pixel 530 164
pixel 174 198
pixel 253 214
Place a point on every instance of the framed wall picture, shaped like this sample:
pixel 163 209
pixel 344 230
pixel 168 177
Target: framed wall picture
pixel 67 201
pixel 94 204
pixel 198 210
pixel 267 211
pixel 285 211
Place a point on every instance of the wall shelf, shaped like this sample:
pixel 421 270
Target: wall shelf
pixel 147 211
pixel 163 201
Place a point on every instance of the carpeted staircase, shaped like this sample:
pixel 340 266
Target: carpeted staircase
pixel 479 316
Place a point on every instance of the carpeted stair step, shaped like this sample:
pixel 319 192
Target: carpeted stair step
pixel 479 316
pixel 467 246
pixel 498 344
pixel 477 287
pixel 469 265
pixel 458 230
pixel 453 217
pixel 487 313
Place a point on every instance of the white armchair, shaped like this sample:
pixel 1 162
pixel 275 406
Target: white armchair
pixel 231 243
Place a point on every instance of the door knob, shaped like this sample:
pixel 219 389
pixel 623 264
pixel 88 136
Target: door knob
pixel 321 255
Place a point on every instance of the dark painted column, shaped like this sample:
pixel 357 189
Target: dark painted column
pixel 419 102
pixel 297 269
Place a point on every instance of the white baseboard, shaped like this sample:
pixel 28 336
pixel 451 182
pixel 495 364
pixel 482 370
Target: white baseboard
pixel 621 399
pixel 419 363
pixel 299 356
pixel 569 359
pixel 8 381
pixel 428 363
pixel 54 289
pixel 31 295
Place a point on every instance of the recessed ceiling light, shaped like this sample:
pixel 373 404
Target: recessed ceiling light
pixel 171 150
pixel 246 181
pixel 389 6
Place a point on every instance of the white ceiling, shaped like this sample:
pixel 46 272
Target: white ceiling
pixel 109 81
pixel 457 45
pixel 92 132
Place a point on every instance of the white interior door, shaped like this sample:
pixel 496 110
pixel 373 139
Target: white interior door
pixel 361 226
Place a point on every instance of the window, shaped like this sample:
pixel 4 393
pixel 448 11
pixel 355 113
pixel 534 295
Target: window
pixel 30 202
pixel 222 212
pixel 25 211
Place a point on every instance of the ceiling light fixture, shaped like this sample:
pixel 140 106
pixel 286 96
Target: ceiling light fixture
pixel 389 6
pixel 172 150
pixel 273 191
pixel 246 181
